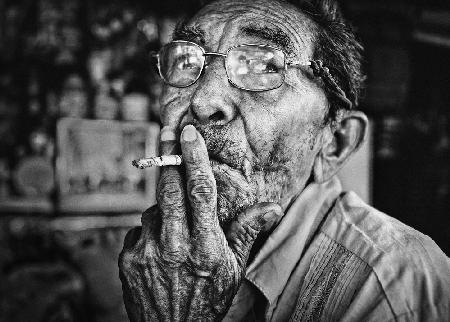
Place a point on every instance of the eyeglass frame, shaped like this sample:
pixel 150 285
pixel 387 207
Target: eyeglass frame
pixel 225 55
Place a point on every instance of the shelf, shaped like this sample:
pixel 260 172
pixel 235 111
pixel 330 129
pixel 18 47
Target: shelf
pixel 26 205
pixel 23 225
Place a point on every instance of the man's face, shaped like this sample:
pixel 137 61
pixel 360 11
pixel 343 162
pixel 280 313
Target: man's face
pixel 261 145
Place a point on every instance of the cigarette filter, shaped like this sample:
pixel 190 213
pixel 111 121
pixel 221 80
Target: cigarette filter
pixel 161 161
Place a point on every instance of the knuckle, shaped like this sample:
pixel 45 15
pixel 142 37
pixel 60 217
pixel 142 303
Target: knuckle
pixel 207 252
pixel 202 188
pixel 172 258
pixel 204 263
pixel 169 192
pixel 249 233
pixel 244 236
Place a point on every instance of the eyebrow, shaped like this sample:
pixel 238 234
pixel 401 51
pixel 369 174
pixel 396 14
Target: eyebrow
pixel 189 33
pixel 272 34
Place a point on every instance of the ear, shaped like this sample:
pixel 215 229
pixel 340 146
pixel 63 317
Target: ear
pixel 340 143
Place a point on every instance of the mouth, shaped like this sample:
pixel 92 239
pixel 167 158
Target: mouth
pixel 226 150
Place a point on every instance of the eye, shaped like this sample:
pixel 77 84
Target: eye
pixel 271 68
pixel 186 61
pixel 266 68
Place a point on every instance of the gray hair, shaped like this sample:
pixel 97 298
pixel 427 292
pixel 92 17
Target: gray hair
pixel 338 48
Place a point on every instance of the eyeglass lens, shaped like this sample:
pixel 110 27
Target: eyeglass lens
pixel 181 64
pixel 255 67
pixel 248 67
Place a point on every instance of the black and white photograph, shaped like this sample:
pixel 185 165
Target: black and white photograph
pixel 224 160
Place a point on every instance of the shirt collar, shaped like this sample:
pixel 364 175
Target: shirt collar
pixel 272 266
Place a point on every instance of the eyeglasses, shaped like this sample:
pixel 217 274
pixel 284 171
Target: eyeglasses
pixel 248 67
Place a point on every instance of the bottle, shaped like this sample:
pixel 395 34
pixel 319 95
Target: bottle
pixel 33 176
pixel 135 102
pixel 106 107
pixel 73 101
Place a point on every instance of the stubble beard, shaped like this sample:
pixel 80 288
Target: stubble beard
pixel 236 192
pixel 242 179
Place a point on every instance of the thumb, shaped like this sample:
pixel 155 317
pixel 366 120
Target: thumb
pixel 244 230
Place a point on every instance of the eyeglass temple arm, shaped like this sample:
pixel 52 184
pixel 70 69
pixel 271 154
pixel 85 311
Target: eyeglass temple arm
pixel 298 64
pixel 319 70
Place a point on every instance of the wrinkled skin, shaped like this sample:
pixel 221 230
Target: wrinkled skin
pixel 250 155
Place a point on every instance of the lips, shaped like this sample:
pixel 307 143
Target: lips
pixel 227 153
pixel 245 170
pixel 226 145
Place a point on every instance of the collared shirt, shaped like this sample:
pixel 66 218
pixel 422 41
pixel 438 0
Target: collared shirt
pixel 334 258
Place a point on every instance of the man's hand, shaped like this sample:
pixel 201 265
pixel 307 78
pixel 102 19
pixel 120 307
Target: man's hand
pixel 180 266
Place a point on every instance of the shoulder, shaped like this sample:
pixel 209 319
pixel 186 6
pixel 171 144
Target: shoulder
pixel 411 270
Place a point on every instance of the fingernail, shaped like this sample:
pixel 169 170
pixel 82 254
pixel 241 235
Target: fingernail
pixel 189 133
pixel 272 214
pixel 269 216
pixel 168 133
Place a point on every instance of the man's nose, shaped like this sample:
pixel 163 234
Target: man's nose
pixel 213 101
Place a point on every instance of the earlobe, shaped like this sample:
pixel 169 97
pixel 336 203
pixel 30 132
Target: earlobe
pixel 345 140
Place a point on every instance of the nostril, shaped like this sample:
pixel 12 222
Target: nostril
pixel 217 116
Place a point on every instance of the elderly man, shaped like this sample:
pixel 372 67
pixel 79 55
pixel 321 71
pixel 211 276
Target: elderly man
pixel 259 100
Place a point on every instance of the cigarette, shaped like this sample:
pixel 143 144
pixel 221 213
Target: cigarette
pixel 161 161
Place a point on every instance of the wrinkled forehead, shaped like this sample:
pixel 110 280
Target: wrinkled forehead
pixel 222 24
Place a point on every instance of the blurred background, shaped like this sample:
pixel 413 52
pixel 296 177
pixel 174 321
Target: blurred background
pixel 79 101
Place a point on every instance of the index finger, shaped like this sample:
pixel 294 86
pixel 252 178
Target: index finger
pixel 201 189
